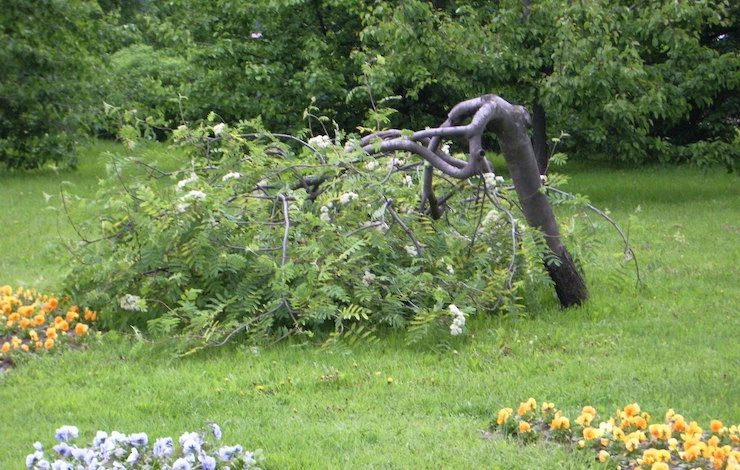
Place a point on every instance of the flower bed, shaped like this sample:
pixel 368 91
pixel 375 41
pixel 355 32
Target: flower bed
pixel 31 322
pixel 628 440
pixel 193 451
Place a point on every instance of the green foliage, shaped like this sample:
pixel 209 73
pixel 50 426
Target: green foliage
pixel 47 89
pixel 256 237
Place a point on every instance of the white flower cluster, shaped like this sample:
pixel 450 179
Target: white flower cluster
pixel 395 162
pixel 368 278
pixel 450 269
pixel 347 197
pixel 131 302
pixel 491 217
pixel 120 451
pixel 445 148
pixel 232 175
pixel 219 128
pixel 411 250
pixel 325 214
pixel 458 321
pixel 194 195
pixel 492 180
pixel 191 179
pixel 408 181
pixel 371 165
pixel 320 141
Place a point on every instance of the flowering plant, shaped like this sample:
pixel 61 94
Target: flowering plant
pixel 628 439
pixel 134 451
pixel 30 321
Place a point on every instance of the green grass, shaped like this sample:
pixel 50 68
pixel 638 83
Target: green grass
pixel 670 345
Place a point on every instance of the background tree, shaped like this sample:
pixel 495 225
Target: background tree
pixel 48 87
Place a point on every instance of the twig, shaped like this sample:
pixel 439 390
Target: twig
pixel 389 206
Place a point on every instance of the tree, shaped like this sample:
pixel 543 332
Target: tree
pixel 50 55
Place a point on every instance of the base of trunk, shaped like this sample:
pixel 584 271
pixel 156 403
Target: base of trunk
pixel 569 284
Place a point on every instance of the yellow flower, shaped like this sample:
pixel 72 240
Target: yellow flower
pixel 716 426
pixel 603 456
pixel 581 444
pixel 39 320
pixel 591 433
pixel 524 427
pixel 631 444
pixel 660 466
pixel 24 347
pixel 546 407
pixel 15 342
pixel 51 333
pixel 560 422
pixel 49 343
pixel 14 317
pixel 33 335
pixel 25 322
pixel 660 431
pixel 6 290
pixel 503 415
pixel 672 444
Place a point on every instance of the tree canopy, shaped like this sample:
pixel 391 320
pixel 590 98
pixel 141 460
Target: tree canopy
pixel 645 82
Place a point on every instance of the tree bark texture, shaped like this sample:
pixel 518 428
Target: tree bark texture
pixel 511 124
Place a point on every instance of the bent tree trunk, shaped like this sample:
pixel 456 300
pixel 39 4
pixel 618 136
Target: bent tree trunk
pixel 511 124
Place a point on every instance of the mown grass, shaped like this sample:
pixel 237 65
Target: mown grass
pixel 671 344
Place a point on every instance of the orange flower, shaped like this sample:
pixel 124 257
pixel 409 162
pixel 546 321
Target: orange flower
pixel 589 410
pixel 524 427
pixel 6 308
pixel 6 290
pixel 560 422
pixel 49 343
pixel 39 345
pixel 24 323
pixel 26 310
pixel 590 433
pixel 75 309
pixel 5 347
pixel 716 426
pixel 39 320
pixel 632 410
pixel 81 329
pixel 51 304
pixel 603 456
pixel 62 325
pixel 24 347
pixel 51 333
pixel 72 316
pixel 660 466
pixel 14 317
pixel 631 444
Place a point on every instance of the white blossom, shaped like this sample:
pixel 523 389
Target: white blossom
pixel 411 250
pixel 232 175
pixel 458 320
pixel 191 179
pixel 491 217
pixel 408 181
pixel 450 269
pixel 368 278
pixel 320 141
pixel 445 148
pixel 371 165
pixel 196 195
pixel 347 197
pixel 490 179
pixel 181 207
pixel 394 162
pixel 219 128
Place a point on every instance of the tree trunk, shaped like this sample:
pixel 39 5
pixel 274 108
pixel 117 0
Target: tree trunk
pixel 520 158
pixel 539 137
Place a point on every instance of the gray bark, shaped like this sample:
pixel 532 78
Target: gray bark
pixel 511 124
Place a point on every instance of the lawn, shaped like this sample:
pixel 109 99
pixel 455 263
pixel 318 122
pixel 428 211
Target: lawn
pixel 670 344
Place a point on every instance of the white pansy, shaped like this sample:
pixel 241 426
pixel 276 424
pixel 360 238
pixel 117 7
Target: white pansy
pixel 219 128
pixel 320 141
pixel 347 197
